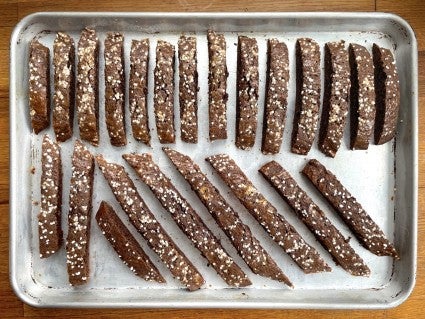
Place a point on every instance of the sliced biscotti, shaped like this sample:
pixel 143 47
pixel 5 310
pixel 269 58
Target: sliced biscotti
pixel 276 96
pixel 187 219
pixel 283 233
pixel 125 245
pixel 49 218
pixel 79 217
pixel 188 89
pixel 138 90
pixel 86 98
pixel 307 104
pixel 248 247
pixel 64 82
pixel 163 98
pixel 362 96
pixel 148 226
pixel 115 88
pixel 366 230
pixel 387 89
pixel 311 215
pixel 247 92
pixel 217 83
pixel 39 86
pixel 335 97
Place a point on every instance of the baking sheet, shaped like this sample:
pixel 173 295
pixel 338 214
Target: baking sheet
pixel 383 178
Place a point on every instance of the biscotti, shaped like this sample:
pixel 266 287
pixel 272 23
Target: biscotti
pixel 387 89
pixel 49 218
pixel 283 233
pixel 248 247
pixel 138 90
pixel 366 230
pixel 217 83
pixel 115 88
pixel 311 215
pixel 247 92
pixel 335 97
pixel 187 219
pixel 307 104
pixel 87 101
pixel 188 92
pixel 362 96
pixel 147 225
pixel 164 92
pixel 79 217
pixel 64 82
pixel 39 86
pixel 276 96
pixel 125 245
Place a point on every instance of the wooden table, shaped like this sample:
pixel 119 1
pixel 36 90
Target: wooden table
pixel 11 11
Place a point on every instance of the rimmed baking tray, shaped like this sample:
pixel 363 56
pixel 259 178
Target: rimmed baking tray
pixel 383 178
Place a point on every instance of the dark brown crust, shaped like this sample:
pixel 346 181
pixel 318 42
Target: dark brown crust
pixel 283 233
pixel 86 99
pixel 276 96
pixel 248 247
pixel 49 218
pixel 217 83
pixel 187 219
pixel 39 86
pixel 147 225
pixel 247 92
pixel 307 103
pixel 311 215
pixel 164 92
pixel 387 88
pixel 366 230
pixel 63 98
pixel 115 88
pixel 79 217
pixel 335 98
pixel 125 245
pixel 138 90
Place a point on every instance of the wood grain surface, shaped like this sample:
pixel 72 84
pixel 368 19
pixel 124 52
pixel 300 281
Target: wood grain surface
pixel 12 11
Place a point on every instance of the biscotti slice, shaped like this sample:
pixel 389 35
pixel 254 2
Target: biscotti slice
pixel 187 219
pixel 366 230
pixel 307 104
pixel 362 96
pixel 125 245
pixel 311 215
pixel 276 96
pixel 163 98
pixel 49 218
pixel 188 93
pixel 335 98
pixel 148 226
pixel 115 88
pixel 283 233
pixel 64 76
pixel 138 90
pixel 387 89
pixel 247 92
pixel 87 102
pixel 248 247
pixel 79 217
pixel 39 86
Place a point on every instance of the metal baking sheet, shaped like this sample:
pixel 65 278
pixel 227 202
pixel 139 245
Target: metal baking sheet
pixel 383 178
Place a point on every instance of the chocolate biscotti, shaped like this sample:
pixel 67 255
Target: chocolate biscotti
pixel 283 233
pixel 49 218
pixel 311 215
pixel 187 219
pixel 39 86
pixel 115 88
